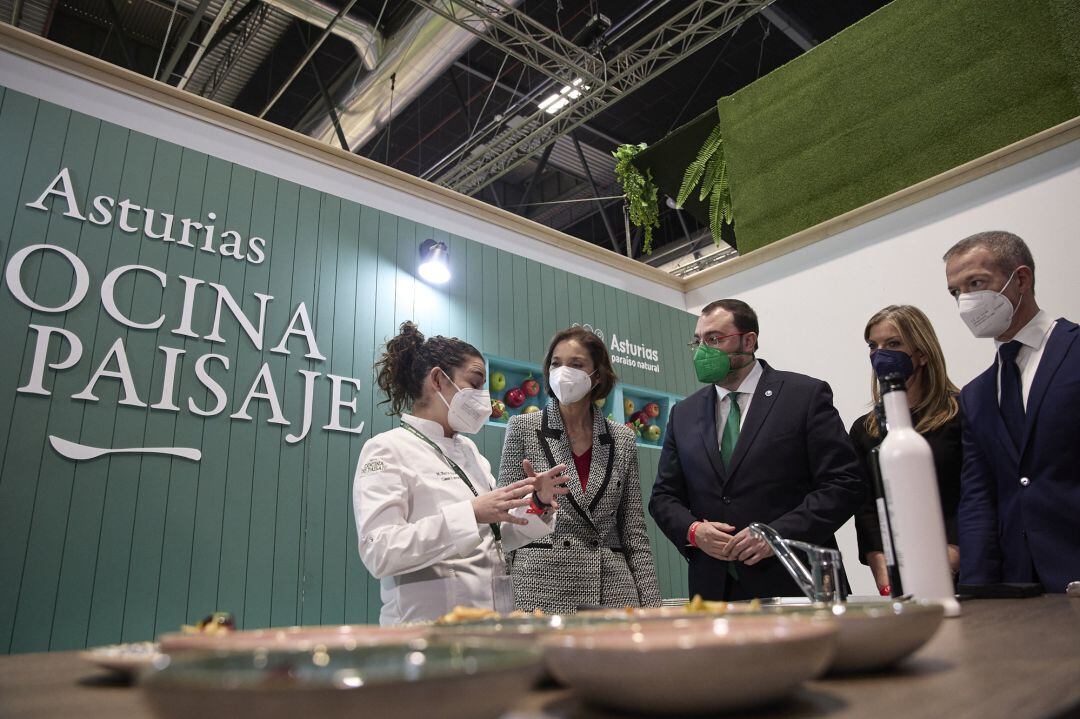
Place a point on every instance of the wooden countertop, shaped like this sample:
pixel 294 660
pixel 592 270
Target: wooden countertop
pixel 1002 658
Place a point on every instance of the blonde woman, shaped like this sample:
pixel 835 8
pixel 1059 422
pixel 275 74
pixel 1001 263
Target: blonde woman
pixel 901 338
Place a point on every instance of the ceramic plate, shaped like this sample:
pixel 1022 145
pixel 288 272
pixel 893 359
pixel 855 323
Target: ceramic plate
pixel 346 636
pixel 124 658
pixel 451 680
pixel 875 635
pixel 691 664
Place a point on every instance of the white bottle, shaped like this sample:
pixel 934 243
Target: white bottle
pixel 914 506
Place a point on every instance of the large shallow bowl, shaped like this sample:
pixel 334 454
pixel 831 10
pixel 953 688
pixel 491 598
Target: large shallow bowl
pixel 691 664
pixel 875 635
pixel 346 636
pixel 455 680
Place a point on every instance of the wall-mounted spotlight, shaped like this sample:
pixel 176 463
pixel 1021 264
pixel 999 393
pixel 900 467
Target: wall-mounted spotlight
pixel 433 262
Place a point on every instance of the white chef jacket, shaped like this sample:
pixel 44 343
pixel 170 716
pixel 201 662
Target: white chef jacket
pixel 417 531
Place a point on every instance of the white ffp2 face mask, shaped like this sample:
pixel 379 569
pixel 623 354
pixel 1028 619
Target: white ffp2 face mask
pixel 987 313
pixel 469 408
pixel 569 384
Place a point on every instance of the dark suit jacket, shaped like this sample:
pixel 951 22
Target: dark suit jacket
pixel 1009 526
pixel 793 468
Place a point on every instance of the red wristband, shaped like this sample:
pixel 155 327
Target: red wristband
pixel 535 507
pixel 885 591
pixel 691 534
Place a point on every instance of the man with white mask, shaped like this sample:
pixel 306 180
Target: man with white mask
pixel 1020 484
pixel 431 524
pixel 599 554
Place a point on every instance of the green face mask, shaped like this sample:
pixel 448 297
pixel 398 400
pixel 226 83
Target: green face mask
pixel 712 365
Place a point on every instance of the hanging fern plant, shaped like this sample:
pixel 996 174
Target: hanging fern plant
pixel 709 169
pixel 640 191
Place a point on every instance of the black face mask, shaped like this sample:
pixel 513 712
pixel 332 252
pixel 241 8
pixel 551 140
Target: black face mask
pixel 891 362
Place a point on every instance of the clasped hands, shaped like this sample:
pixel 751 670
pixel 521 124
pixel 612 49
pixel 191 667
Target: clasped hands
pixel 495 506
pixel 721 541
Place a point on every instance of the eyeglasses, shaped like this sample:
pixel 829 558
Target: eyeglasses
pixel 711 340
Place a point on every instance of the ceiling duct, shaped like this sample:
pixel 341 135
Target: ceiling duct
pixel 362 35
pixel 422 50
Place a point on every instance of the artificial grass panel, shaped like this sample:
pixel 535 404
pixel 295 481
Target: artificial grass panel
pixel 913 90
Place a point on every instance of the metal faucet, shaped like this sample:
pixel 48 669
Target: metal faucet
pixel 821 582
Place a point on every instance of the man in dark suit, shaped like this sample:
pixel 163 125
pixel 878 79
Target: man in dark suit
pixel 754 445
pixel 1019 516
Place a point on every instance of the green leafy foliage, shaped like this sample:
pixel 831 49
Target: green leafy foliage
pixel 709 169
pixel 640 190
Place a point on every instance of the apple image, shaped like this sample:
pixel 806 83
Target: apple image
pixel 498 409
pixel 652 433
pixel 652 409
pixel 514 398
pixel 600 402
pixel 628 406
pixel 498 381
pixel 530 409
pixel 530 387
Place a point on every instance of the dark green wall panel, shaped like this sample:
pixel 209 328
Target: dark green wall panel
pixel 125 547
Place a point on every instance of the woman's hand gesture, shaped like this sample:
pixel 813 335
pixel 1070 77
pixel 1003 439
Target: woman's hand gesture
pixel 494 506
pixel 547 484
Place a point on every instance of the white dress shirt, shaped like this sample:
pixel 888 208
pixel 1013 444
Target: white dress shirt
pixel 416 528
pixel 1032 337
pixel 746 393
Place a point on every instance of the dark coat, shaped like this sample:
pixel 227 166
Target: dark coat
pixel 1020 506
pixel 793 468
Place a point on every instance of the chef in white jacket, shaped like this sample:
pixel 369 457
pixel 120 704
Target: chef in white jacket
pixel 432 525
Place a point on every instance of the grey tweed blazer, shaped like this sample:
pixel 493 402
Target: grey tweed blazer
pixel 599 553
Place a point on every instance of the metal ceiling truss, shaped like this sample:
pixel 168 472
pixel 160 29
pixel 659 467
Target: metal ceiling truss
pixel 521 37
pixel 498 148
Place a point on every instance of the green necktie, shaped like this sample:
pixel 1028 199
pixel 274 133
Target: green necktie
pixel 731 429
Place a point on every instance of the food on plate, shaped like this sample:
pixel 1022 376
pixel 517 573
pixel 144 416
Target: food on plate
pixel 467 614
pixel 699 605
pixel 652 433
pixel 498 381
pixel 652 409
pixel 216 623
pixel 628 406
pixel 530 387
pixel 498 409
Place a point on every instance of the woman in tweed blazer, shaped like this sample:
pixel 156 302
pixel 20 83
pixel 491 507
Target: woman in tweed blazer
pixel 599 553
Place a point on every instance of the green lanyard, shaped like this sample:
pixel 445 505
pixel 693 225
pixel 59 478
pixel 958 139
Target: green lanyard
pixel 457 470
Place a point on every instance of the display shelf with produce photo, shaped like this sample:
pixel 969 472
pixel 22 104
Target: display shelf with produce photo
pixel 644 411
pixel 516 387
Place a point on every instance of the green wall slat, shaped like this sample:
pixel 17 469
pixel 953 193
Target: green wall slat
pixel 210 434
pixel 357 605
pixel 70 621
pixel 44 549
pixel 109 425
pixel 147 365
pixel 339 457
pixel 18 476
pixel 288 277
pixel 266 278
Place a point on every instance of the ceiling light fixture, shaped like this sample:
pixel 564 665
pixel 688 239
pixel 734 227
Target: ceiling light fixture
pixel 558 100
